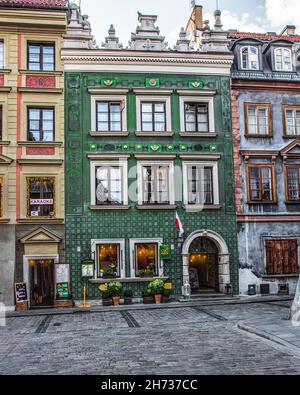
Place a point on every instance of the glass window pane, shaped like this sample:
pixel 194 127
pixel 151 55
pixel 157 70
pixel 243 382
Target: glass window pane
pixel 147 127
pixel 159 127
pixel 115 127
pixel 102 107
pixel 109 260
pixel 102 117
pixel 159 107
pixel 190 127
pixel 34 114
pixel 146 259
pixel 146 117
pixel 147 107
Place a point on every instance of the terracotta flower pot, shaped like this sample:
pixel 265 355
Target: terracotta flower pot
pixel 116 300
pixel 127 300
pixel 158 299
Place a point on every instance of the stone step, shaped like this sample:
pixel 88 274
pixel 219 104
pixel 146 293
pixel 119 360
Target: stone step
pixel 208 297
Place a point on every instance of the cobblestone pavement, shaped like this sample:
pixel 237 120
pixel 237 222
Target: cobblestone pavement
pixel 185 340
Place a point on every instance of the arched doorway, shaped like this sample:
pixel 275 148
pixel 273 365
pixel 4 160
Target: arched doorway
pixel 203 266
pixel 207 253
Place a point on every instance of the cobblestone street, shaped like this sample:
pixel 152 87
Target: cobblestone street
pixel 172 340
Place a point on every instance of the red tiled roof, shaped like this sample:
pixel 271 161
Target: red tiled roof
pixel 34 3
pixel 263 36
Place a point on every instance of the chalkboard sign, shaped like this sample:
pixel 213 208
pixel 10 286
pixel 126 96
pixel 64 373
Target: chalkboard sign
pixel 62 291
pixel 21 292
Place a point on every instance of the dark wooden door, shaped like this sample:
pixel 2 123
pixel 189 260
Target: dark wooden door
pixel 42 283
pixel 282 257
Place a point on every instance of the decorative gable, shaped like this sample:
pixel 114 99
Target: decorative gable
pixel 292 150
pixel 5 160
pixel 40 235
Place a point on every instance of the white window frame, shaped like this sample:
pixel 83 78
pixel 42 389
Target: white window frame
pixel 152 99
pixel 141 164
pixel 296 128
pixel 108 98
pixel 2 45
pixel 121 163
pixel 133 242
pixel 282 59
pixel 215 172
pixel 121 242
pixel 197 99
pixel 249 54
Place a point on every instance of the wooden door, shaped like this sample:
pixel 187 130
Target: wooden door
pixel 282 257
pixel 42 283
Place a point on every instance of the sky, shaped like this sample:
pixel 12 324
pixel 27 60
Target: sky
pixel 243 15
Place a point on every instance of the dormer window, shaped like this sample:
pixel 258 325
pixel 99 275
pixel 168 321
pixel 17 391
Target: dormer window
pixel 249 58
pixel 283 59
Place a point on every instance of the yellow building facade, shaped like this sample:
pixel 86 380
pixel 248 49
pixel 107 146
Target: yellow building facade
pixel 32 150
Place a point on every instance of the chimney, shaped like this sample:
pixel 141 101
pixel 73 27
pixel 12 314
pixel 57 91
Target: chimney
pixel 289 30
pixel 195 23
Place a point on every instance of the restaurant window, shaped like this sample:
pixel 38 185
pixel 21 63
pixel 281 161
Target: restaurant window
pixel 40 124
pixel 109 185
pixel 146 259
pixel 283 59
pixel 258 119
pixel 1 55
pixel 109 116
pixel 293 183
pixel 249 59
pixel 41 57
pixel 261 188
pixel 109 258
pixel 291 121
pixel 40 197
pixel 1 197
pixel 153 116
pixel 155 184
pixel 282 257
pixel 196 117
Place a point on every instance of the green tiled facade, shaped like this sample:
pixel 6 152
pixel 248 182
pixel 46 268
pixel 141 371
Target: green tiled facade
pixel 84 224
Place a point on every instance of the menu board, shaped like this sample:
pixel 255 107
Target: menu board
pixel 62 291
pixel 62 273
pixel 21 292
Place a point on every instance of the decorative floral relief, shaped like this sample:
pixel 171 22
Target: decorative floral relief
pixel 37 81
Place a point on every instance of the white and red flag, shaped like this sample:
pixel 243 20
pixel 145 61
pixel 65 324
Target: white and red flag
pixel 178 224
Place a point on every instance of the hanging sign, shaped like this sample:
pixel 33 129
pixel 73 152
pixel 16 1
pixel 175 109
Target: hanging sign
pixel 40 202
pixel 87 269
pixel 21 292
pixel 165 251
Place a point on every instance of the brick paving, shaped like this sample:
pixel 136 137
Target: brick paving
pixel 185 340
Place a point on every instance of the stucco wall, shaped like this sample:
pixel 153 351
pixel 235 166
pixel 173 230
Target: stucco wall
pixel 7 263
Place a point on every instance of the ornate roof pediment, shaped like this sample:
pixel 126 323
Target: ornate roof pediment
pixel 292 149
pixel 40 235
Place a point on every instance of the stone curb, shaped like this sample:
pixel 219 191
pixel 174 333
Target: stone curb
pixel 136 307
pixel 273 338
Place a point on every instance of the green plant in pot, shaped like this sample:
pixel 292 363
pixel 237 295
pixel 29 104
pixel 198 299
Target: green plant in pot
pixel 166 296
pixel 106 298
pixel 115 289
pixel 147 296
pixel 156 287
pixel 128 294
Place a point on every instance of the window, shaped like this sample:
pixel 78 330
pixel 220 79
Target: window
pixel 258 119
pixel 261 184
pixel 196 117
pixel 1 55
pixel 249 58
pixel 293 183
pixel 153 117
pixel 146 258
pixel 40 124
pixel 282 257
pixel 200 183
pixel 109 116
pixel 291 118
pixel 283 59
pixel 155 184
pixel 41 57
pixel 108 260
pixel 109 185
pixel 1 197
pixel 1 123
pixel 40 192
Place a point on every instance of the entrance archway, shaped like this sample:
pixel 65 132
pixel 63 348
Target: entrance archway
pixel 206 256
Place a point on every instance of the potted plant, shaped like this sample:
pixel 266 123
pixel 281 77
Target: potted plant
pixel 106 298
pixel 147 297
pixel 156 287
pixel 149 273
pixel 166 296
pixel 128 294
pixel 115 288
pixel 109 273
